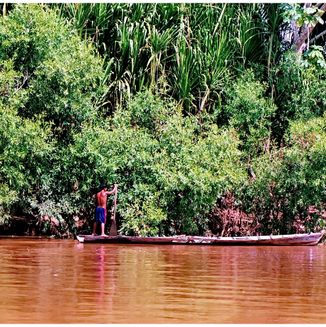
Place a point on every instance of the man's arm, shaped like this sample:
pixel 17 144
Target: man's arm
pixel 113 190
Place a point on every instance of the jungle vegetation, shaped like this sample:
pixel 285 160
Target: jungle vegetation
pixel 210 117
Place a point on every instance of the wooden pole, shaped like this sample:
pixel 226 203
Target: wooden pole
pixel 113 228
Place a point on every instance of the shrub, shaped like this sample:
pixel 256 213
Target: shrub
pixel 25 147
pixel 49 84
pixel 250 112
pixel 300 91
pixel 290 181
pixel 58 73
pixel 169 169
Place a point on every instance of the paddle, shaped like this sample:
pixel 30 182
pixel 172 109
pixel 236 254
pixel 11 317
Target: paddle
pixel 113 228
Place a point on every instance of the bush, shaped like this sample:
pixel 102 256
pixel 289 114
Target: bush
pixel 170 169
pixel 49 85
pixel 290 181
pixel 25 147
pixel 58 74
pixel 250 112
pixel 300 92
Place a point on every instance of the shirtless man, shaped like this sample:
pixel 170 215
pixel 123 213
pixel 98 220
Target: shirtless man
pixel 100 211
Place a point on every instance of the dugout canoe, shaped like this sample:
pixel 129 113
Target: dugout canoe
pixel 292 239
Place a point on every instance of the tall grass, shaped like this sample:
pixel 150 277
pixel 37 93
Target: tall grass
pixel 186 50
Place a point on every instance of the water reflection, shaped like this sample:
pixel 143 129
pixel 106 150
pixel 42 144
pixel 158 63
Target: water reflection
pixel 68 282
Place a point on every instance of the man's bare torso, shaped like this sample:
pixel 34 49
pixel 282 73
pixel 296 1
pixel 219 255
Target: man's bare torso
pixel 101 199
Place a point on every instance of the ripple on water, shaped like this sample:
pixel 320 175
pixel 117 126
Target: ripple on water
pixel 53 281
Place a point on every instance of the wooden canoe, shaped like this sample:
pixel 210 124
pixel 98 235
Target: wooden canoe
pixel 292 239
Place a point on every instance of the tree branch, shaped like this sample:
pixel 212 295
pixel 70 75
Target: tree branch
pixel 317 37
pixel 301 42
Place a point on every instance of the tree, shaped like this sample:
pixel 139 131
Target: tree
pixel 170 169
pixel 303 19
pixel 57 75
pixel 50 81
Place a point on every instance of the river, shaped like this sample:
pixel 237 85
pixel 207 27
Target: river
pixel 63 281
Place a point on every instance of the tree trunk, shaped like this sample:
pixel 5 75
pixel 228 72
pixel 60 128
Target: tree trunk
pixel 303 38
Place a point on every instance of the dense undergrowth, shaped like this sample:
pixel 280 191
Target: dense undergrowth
pixel 222 142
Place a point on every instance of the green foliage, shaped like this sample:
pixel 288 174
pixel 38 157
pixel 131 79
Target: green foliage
pixel 250 112
pixel 308 148
pixel 25 147
pixel 315 57
pixel 145 111
pixel 290 181
pixel 55 73
pixel 183 96
pixel 49 83
pixel 169 172
pixel 303 15
pixel 299 90
pixel 188 49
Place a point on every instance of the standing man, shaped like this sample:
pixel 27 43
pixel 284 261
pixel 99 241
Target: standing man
pixel 100 211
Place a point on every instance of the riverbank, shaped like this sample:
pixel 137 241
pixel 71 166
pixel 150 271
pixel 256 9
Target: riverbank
pixel 46 227
pixel 22 228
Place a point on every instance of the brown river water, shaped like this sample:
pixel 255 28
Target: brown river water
pixel 63 281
